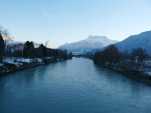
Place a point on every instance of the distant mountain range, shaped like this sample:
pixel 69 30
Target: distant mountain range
pixel 91 44
pixel 142 40
pixel 97 43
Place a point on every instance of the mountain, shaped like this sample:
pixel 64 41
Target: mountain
pixel 142 40
pixel 91 44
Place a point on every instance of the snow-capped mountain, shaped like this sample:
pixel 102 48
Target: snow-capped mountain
pixel 91 44
pixel 142 40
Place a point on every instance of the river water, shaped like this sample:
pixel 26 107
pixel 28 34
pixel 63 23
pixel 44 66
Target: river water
pixel 72 86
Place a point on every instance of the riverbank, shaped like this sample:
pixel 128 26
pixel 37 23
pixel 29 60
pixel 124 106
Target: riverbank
pixel 132 70
pixel 11 65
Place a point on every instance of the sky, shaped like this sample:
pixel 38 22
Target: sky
pixel 62 21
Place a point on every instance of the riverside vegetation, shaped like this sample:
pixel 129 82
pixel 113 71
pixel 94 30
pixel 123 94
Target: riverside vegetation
pixel 137 62
pixel 23 56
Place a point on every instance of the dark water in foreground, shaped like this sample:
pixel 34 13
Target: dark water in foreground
pixel 73 86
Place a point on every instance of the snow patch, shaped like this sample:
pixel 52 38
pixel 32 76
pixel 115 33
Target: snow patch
pixel 91 44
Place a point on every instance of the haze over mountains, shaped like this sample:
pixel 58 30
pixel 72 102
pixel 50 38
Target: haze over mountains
pixel 91 44
pixel 95 43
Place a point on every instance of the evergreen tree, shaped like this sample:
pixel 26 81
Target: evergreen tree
pixel 42 51
pixel 28 50
pixel 2 47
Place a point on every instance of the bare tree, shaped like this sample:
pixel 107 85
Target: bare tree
pixel 6 37
pixel 5 33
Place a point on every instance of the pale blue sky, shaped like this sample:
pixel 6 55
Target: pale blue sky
pixel 62 21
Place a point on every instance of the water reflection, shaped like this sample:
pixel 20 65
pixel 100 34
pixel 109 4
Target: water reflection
pixel 116 79
pixel 73 86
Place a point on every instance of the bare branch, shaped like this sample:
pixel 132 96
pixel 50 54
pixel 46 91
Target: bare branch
pixel 5 33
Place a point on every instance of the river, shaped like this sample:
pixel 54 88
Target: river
pixel 72 86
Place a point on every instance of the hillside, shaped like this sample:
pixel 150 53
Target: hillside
pixel 91 44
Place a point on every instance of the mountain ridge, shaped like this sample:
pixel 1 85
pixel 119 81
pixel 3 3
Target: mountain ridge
pixel 141 40
pixel 90 44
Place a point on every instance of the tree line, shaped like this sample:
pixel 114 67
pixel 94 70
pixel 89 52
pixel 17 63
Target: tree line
pixel 111 55
pixel 30 51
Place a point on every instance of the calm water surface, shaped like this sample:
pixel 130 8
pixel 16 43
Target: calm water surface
pixel 73 86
